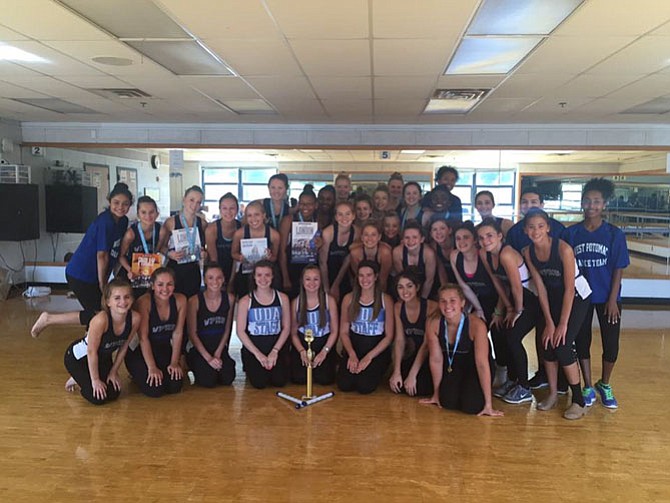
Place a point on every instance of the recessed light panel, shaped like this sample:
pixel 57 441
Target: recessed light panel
pixel 490 54
pixel 181 57
pixel 55 105
pixel 521 17
pixel 657 106
pixel 10 53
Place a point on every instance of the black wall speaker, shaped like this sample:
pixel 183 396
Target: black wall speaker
pixel 19 210
pixel 70 208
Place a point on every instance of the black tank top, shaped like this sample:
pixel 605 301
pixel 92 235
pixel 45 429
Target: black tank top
pixel 137 247
pixel 337 253
pixel 262 319
pixel 275 221
pixel 464 353
pixel 417 330
pixel 405 259
pixel 160 331
pixel 224 248
pixel 212 324
pixel 109 342
pixel 200 225
pixel 480 283
pixel 451 278
pixel 392 242
pixel 551 270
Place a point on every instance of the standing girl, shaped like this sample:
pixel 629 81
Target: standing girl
pixel 276 206
pixel 460 361
pixel 154 366
pixel 89 360
pixel 380 200
pixel 411 210
pixel 602 255
pixel 263 326
pixel 442 242
pixel 89 268
pixel 366 331
pixel 391 229
pixel 313 310
pixel 411 371
pixel 210 318
pixel 414 253
pixel 143 237
pixel 516 303
pixel 484 203
pixel 255 228
pixel 564 299
pixel 363 209
pixel 337 239
pixel 219 235
pixel 184 234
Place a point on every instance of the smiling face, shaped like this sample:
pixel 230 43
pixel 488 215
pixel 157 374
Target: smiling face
pixel 163 286
pixel 391 226
pixel 343 188
pixel 119 205
pixel 439 231
pixel 412 239
pixel 228 210
pixel 277 190
pixel 380 200
pixel 439 200
pixel 465 241
pixel 366 278
pixel 451 304
pixel 263 277
pixel 530 200
pixel 395 188
pixel 311 280
pixel 191 202
pixel 255 216
pixel 214 279
pixel 147 214
pixel 326 201
pixel 307 206
pixel 489 238
pixel 448 179
pixel 407 289
pixel 537 228
pixel 412 195
pixel 363 211
pixel 120 300
pixel 370 236
pixel 344 216
pixel 593 204
pixel 484 205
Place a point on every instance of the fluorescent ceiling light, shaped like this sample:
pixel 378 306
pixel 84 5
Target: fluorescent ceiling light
pixel 412 151
pixel 312 150
pixel 55 105
pixel 657 106
pixel 9 53
pixel 128 18
pixel 490 54
pixel 521 17
pixel 181 57
pixel 461 106
pixel 249 106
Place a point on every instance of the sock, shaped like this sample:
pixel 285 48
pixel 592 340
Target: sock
pixel 577 394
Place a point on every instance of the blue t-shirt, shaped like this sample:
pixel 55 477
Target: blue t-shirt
pixel 104 234
pixel 598 254
pixel 518 239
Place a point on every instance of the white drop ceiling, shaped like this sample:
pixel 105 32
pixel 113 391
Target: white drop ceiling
pixel 338 62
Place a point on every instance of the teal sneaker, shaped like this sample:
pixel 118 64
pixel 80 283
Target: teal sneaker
pixel 606 395
pixel 589 395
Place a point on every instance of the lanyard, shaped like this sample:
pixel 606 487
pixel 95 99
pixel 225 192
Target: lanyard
pixel 143 239
pixel 190 233
pixel 451 356
pixel 274 215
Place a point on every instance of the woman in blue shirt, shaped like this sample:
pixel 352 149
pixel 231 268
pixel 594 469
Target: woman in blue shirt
pixel 91 264
pixel 602 255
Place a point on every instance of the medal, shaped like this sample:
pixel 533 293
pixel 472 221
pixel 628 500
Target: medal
pixel 451 356
pixel 449 369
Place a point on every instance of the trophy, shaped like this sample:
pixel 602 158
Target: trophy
pixel 307 399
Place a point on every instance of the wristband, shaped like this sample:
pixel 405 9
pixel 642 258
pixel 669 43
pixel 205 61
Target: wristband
pixel 326 349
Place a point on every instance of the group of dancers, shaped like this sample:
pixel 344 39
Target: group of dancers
pixel 393 284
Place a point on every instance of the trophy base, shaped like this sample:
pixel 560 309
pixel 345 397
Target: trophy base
pixel 301 403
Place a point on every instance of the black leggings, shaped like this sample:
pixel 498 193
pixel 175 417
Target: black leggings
pixel 424 379
pixel 460 389
pixel 258 376
pixel 78 369
pixel 368 380
pixel 88 295
pixel 187 277
pixel 518 359
pixel 207 376
pixel 565 353
pixel 139 372
pixel 609 334
pixel 324 374
pixel 488 304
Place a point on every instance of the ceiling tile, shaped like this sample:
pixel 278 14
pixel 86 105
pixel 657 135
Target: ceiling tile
pixel 495 105
pixel 644 89
pixel 647 55
pixel 16 70
pixel 469 81
pixel 221 87
pixel 8 90
pixel 404 87
pixel 400 107
pixel 321 19
pixel 426 19
pixel 411 56
pixel 343 87
pixel 55 62
pixel 323 58
pixel 51 87
pixel 272 88
pixel 352 107
pixel 616 17
pixel 595 86
pixel 256 57
pixel 7 35
pixel 529 85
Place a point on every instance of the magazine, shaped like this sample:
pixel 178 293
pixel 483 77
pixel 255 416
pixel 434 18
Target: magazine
pixel 303 245
pixel 143 266
pixel 179 241
pixel 253 250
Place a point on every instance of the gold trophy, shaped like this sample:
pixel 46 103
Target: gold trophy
pixel 307 399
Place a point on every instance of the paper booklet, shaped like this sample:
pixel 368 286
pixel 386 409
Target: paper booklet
pixel 143 266
pixel 253 250
pixel 303 246
pixel 179 240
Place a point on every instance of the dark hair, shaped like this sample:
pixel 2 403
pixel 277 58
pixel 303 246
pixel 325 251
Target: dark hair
pixel 381 187
pixel 355 306
pixel 416 184
pixel 390 214
pixel 146 200
pixel 532 189
pixel 213 265
pixel 279 176
pixel 107 290
pixel 120 189
pixel 485 193
pixel 194 188
pixel 443 170
pixel 396 176
pixel 468 226
pixel 602 185
pixel 428 199
pixel 308 191
pixel 535 212
pixel 229 195
pixel 371 222
pixel 328 188
pixel 258 265
pixel 414 275
pixel 413 224
pixel 159 271
pixel 302 299
pixel 489 222
pixel 363 197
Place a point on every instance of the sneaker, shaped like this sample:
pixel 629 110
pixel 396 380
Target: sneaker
pixel 575 411
pixel 606 395
pixel 548 403
pixel 538 381
pixel 501 391
pixel 589 395
pixel 518 394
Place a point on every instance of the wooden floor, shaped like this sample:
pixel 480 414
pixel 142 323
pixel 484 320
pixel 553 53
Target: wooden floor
pixel 241 444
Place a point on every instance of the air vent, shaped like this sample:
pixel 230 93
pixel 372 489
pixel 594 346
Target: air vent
pixel 454 101
pixel 124 93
